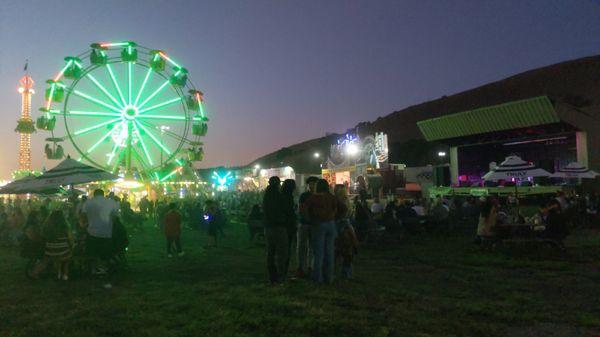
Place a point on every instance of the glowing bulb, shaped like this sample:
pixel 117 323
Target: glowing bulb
pixel 317 154
pixel 352 149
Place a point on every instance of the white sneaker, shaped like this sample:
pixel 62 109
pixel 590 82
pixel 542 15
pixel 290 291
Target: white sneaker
pixel 65 277
pixel 107 286
pixel 170 255
pixel 181 254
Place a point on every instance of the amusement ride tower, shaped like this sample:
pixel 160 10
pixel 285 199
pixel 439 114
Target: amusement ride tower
pixel 25 126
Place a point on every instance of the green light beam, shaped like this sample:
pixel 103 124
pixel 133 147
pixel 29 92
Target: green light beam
pixel 166 117
pixel 153 94
pixel 92 113
pixel 114 80
pixel 140 160
pixel 171 174
pixel 130 81
pixel 101 87
pixel 156 175
pixel 103 138
pixel 49 102
pixel 118 159
pixel 143 145
pixel 97 126
pixel 97 101
pixel 112 153
pixel 160 105
pixel 156 141
pixel 62 71
pixel 201 105
pixel 139 94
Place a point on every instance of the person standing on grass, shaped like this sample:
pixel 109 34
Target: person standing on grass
pixel 59 243
pixel 275 232
pixel 172 223
pixel 100 212
pixel 346 244
pixel 289 215
pixel 303 240
pixel 214 219
pixel 322 207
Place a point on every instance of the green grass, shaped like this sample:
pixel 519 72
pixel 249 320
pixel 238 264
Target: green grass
pixel 423 286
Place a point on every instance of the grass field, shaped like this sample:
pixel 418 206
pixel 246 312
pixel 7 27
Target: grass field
pixel 424 286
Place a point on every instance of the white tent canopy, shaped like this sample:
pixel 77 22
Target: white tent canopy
pixel 513 167
pixel 68 172
pixel 575 170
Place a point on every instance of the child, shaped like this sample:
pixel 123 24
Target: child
pixel 214 220
pixel 346 245
pixel 59 243
pixel 172 221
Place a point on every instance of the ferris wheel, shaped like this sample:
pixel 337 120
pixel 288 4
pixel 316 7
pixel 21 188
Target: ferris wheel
pixel 126 109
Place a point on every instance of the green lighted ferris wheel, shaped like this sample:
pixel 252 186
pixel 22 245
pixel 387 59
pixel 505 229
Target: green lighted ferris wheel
pixel 126 109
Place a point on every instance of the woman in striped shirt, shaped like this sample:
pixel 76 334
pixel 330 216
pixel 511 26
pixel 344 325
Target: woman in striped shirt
pixel 59 243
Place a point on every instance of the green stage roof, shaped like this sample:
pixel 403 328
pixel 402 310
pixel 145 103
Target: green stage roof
pixel 511 115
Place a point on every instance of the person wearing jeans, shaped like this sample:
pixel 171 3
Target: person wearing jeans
pixel 303 241
pixel 322 207
pixel 324 235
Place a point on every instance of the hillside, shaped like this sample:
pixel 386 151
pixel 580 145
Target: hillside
pixel 576 82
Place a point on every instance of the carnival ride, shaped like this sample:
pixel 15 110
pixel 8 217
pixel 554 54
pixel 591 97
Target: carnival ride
pixel 148 129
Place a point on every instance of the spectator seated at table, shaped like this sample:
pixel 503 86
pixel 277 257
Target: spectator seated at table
pixel 556 225
pixel 487 223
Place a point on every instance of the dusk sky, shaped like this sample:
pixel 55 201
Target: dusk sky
pixel 278 72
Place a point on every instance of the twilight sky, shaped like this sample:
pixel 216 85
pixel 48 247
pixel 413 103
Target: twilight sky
pixel 278 72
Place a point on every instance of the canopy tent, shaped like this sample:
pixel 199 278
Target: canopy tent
pixel 14 186
pixel 575 170
pixel 67 172
pixel 513 167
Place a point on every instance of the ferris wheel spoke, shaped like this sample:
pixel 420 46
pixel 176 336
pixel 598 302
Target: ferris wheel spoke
pixel 143 143
pixel 171 134
pixel 95 127
pixel 139 94
pixel 154 139
pixel 165 117
pixel 93 113
pixel 103 89
pixel 160 105
pixel 113 152
pixel 164 85
pixel 115 83
pixel 130 82
pixel 140 160
pixel 95 100
pixel 96 144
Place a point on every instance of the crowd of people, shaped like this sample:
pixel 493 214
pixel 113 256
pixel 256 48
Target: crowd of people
pixel 319 223
pixel 320 226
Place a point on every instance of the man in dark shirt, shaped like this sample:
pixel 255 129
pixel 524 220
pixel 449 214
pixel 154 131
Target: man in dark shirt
pixel 303 240
pixel 275 232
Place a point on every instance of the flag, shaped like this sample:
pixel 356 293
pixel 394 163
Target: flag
pixel 26 65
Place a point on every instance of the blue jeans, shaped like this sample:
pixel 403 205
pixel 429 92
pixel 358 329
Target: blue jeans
pixel 323 237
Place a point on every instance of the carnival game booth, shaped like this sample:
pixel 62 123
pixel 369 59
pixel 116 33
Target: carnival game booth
pixel 548 133
pixel 263 175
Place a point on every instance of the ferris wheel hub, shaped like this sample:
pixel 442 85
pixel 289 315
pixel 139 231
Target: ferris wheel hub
pixel 130 112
